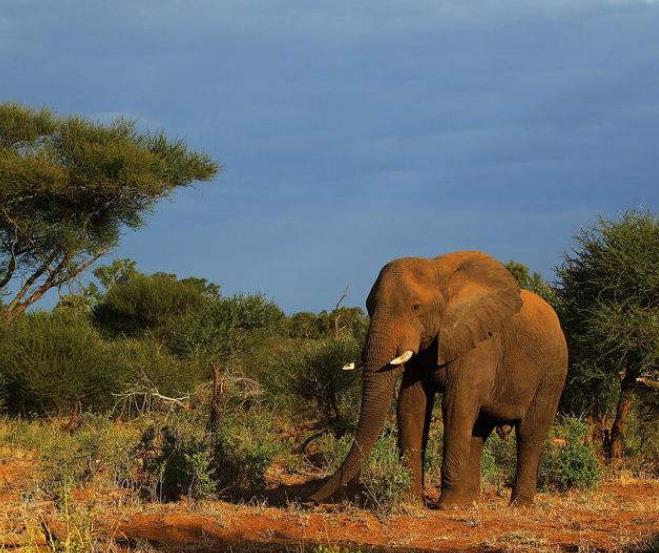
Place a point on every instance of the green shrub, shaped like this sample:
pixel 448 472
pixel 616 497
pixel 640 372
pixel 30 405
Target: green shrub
pixel 176 460
pixel 224 328
pixel 642 439
pixel 182 457
pixel 386 480
pixel 55 363
pixel 147 366
pixel 244 448
pixel 568 460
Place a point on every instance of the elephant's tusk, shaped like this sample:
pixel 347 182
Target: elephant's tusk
pixel 349 367
pixel 402 358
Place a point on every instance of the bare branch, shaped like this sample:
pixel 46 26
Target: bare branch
pixel 143 400
pixel 343 297
pixel 649 382
pixel 337 316
pixel 43 268
pixel 56 276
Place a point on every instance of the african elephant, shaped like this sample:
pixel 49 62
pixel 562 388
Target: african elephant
pixel 458 324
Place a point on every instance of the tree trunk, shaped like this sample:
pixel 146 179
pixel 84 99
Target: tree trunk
pixel 617 440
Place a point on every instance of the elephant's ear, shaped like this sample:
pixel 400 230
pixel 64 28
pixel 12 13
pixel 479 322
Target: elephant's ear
pixel 481 296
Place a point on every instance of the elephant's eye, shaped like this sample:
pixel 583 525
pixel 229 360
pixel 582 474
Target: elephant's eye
pixel 416 308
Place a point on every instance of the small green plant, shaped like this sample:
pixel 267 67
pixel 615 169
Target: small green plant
pixel 384 480
pixel 569 460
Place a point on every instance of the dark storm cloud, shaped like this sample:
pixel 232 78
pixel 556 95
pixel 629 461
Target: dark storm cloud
pixel 357 133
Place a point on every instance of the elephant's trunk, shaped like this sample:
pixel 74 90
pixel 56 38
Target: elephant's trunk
pixel 378 388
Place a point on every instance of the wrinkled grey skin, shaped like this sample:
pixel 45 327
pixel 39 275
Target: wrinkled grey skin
pixel 496 352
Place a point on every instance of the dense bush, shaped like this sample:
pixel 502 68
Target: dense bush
pixel 57 362
pixel 146 302
pixel 182 455
pixel 341 321
pixel 244 447
pixel 643 441
pixel 222 329
pixel 147 365
pixel 499 461
pixel 308 375
pixel 50 362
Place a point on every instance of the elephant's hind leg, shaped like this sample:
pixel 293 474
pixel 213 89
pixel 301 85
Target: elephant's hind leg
pixel 531 432
pixel 415 403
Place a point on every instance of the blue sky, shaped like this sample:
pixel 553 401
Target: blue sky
pixel 355 132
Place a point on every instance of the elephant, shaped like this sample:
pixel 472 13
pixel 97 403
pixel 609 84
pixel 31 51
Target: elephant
pixel 457 324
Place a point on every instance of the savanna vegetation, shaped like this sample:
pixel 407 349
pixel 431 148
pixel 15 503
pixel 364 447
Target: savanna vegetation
pixel 155 388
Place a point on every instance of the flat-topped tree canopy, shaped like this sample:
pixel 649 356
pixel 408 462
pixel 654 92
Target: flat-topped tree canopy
pixel 69 185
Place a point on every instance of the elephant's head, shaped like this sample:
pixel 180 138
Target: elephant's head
pixel 453 302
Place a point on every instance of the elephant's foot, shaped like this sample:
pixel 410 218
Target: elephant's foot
pixel 453 499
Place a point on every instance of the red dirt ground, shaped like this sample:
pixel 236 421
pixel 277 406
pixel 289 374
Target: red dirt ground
pixel 620 516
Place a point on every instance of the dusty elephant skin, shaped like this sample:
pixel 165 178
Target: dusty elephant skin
pixel 497 354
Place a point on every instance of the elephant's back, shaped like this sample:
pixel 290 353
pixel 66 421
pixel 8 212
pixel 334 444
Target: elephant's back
pixel 540 330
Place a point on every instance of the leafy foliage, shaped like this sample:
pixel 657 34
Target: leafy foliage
pixel 51 362
pixel 342 321
pixel 57 362
pixel 224 328
pixel 176 461
pixel 244 448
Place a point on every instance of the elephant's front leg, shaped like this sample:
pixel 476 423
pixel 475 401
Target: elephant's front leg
pixel 459 411
pixel 415 403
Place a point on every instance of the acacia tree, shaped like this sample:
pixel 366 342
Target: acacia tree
pixel 609 301
pixel 68 186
